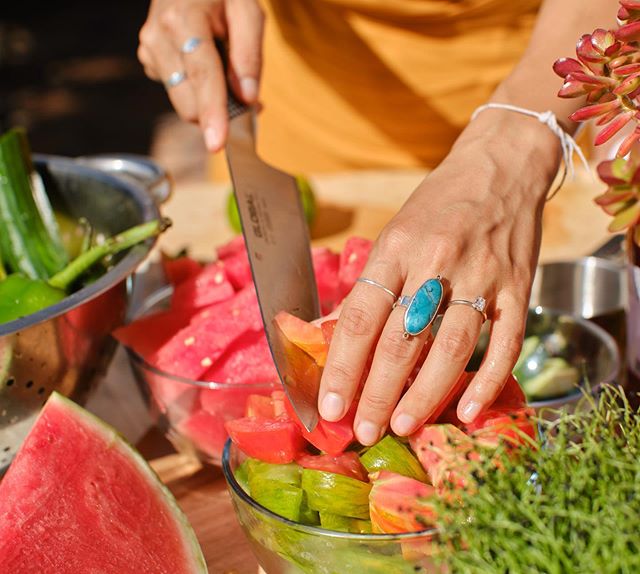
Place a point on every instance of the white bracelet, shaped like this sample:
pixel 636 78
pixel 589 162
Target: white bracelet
pixel 548 118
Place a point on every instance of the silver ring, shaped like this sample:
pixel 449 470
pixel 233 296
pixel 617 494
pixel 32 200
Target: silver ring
pixel 479 304
pixel 376 284
pixel 174 79
pixel 190 45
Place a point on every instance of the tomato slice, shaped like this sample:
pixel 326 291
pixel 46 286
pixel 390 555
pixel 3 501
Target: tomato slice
pixel 498 424
pixel 269 440
pixel 303 335
pixel 328 327
pixel 330 437
pixel 347 464
pixel 259 406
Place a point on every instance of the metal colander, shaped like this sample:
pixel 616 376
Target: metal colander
pixel 63 347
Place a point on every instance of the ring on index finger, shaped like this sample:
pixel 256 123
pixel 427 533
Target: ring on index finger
pixel 190 45
pixel 422 307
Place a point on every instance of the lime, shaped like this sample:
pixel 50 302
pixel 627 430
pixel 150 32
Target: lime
pixel 307 197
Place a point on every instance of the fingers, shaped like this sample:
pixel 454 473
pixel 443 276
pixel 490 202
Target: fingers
pixel 450 353
pixel 160 59
pixel 393 362
pixel 507 332
pixel 204 71
pixel 246 23
pixel 361 321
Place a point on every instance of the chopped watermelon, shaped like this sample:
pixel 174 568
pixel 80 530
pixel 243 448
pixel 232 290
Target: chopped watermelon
pixel 246 360
pixel 208 287
pixel 206 431
pixel 347 464
pixel 352 261
pixel 147 334
pixel 326 264
pixel 77 498
pixel 232 247
pixel 195 348
pixel 259 406
pixel 269 440
pixel 179 269
pixel 238 269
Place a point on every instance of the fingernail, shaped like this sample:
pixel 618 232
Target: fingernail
pixel 367 433
pixel 212 139
pixel 470 411
pixel 404 424
pixel 332 407
pixel 249 89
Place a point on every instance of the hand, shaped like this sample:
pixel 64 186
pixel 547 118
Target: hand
pixel 476 220
pixel 202 96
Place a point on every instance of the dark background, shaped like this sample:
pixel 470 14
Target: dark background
pixel 70 76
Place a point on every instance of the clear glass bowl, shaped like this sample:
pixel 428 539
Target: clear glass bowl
pixel 285 547
pixel 190 413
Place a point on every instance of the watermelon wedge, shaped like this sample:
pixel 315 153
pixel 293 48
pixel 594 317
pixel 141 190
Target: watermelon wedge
pixel 207 287
pixel 77 498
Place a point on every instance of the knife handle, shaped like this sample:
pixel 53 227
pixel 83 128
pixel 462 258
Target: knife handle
pixel 234 106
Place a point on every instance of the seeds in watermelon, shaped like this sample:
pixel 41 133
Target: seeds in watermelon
pixel 77 498
pixel 208 287
pixel 193 350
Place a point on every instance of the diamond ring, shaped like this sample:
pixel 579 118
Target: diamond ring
pixel 422 307
pixel 175 79
pixel 190 45
pixel 479 304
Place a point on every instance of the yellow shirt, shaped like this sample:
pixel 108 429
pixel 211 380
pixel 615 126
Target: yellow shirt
pixel 351 84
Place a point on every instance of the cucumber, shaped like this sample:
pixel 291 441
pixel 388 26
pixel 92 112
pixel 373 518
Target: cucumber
pixel 30 243
pixel 557 378
pixel 307 515
pixel 258 471
pixel 390 454
pixel 241 474
pixel 335 493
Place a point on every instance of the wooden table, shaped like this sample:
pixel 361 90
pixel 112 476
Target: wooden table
pixel 349 204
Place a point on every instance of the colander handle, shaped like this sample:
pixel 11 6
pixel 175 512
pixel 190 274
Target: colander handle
pixel 136 168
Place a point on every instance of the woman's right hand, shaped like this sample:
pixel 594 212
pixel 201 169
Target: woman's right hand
pixel 202 97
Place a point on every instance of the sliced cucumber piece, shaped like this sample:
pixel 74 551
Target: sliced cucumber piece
pixel 335 493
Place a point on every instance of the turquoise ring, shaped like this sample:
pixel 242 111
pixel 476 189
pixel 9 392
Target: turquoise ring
pixel 422 307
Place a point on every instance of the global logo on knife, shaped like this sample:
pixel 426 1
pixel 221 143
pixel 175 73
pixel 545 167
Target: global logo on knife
pixel 254 216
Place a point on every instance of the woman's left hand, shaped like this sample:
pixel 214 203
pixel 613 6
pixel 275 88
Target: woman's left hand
pixel 476 221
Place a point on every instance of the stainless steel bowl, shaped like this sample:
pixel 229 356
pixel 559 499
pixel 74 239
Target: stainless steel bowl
pixel 64 346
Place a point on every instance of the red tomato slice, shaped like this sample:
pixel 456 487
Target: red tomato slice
pixel 330 437
pixel 328 327
pixel 259 406
pixel 303 335
pixel 279 399
pixel 269 440
pixel 347 464
pixel 495 425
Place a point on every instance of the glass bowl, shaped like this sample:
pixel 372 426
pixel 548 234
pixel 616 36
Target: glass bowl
pixel 190 413
pixel 285 547
pixel 582 344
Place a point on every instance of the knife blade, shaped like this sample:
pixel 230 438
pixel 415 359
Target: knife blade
pixel 277 239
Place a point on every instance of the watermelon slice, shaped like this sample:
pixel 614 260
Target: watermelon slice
pixel 193 350
pixel 326 264
pixel 207 287
pixel 77 498
pixel 352 261
pixel 179 269
pixel 206 432
pixel 232 247
pixel 238 269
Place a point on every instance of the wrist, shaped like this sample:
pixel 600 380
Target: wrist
pixel 517 144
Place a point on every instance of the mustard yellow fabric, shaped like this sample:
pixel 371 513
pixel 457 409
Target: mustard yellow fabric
pixel 365 84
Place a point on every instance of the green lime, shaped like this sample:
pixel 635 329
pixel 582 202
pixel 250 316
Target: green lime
pixel 307 197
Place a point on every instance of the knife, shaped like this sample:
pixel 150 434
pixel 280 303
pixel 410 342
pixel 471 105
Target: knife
pixel 277 239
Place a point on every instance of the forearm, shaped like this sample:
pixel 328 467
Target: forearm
pixel 534 85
